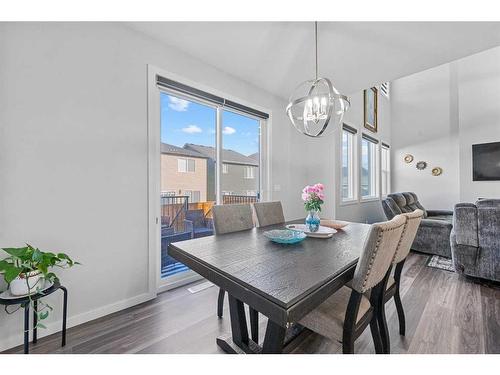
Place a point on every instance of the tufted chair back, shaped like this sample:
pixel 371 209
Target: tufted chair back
pixel 230 218
pixel 413 220
pixel 378 253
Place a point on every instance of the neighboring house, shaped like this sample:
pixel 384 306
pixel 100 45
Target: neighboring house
pixel 183 172
pixel 240 173
pixel 255 157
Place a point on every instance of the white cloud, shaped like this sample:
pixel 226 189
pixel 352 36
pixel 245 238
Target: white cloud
pixel 192 129
pixel 228 130
pixel 179 105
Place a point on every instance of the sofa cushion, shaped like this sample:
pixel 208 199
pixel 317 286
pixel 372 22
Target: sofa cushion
pixel 413 203
pixel 465 224
pixel 400 200
pixel 448 218
pixel 475 239
pixel 492 203
pixel 390 207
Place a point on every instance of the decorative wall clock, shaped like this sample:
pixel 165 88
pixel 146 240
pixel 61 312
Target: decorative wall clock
pixel 408 158
pixel 437 171
pixel 421 165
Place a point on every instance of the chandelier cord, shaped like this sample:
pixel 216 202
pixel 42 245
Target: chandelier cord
pixel 316 39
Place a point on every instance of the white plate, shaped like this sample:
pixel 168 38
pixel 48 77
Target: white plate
pixel 6 294
pixel 323 232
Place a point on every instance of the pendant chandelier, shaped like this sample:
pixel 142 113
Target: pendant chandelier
pixel 316 103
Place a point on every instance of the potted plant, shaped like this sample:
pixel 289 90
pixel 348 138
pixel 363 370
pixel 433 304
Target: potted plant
pixel 27 269
pixel 313 199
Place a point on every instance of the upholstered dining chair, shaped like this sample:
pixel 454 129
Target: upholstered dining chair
pixel 347 313
pixel 229 218
pixel 269 213
pixel 413 220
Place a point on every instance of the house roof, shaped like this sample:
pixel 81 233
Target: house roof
pixel 228 156
pixel 174 150
pixel 255 157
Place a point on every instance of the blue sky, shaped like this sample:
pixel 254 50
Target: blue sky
pixel 184 121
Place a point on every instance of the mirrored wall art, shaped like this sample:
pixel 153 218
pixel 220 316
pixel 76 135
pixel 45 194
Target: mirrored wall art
pixel 421 165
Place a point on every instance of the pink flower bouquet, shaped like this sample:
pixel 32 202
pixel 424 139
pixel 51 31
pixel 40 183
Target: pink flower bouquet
pixel 313 197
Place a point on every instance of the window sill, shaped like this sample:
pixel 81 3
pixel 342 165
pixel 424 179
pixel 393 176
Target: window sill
pixel 370 199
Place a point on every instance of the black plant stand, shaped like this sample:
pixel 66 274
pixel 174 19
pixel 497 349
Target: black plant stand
pixel 25 304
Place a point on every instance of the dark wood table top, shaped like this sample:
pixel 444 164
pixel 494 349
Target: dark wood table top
pixel 281 274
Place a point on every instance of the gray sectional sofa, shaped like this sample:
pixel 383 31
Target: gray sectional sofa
pixel 433 235
pixel 475 239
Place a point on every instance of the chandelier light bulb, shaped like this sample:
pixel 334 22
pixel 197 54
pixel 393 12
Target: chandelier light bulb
pixel 316 104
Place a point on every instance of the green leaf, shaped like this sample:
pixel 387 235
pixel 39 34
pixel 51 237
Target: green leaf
pixel 43 315
pixel 51 276
pixel 37 256
pixel 16 251
pixel 40 325
pixel 11 273
pixel 4 265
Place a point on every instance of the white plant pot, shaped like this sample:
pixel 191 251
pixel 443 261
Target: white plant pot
pixel 20 287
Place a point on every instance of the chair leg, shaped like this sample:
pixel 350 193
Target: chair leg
pixel 384 331
pixel 401 313
pixel 397 299
pixel 348 343
pixel 220 303
pixel 377 301
pixel 377 340
pixel 351 315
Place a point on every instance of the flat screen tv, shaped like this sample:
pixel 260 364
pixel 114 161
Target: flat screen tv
pixel 486 162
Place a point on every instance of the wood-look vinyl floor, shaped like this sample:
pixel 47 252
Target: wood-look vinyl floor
pixel 445 313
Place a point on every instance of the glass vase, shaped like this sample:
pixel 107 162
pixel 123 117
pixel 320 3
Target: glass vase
pixel 312 221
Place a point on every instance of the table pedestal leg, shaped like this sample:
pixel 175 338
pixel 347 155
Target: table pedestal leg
pixel 240 343
pixel 254 324
pixel 274 339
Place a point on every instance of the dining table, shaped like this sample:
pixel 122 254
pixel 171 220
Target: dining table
pixel 282 282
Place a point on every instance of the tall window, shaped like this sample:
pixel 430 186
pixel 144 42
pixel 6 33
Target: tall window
pixel 385 167
pixel 225 168
pixel 368 167
pixel 347 178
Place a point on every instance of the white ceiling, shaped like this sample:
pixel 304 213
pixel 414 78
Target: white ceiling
pixel 276 56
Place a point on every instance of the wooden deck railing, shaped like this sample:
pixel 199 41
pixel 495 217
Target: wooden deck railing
pixel 173 208
pixel 239 199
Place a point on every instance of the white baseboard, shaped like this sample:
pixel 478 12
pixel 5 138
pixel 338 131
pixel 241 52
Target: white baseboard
pixel 54 327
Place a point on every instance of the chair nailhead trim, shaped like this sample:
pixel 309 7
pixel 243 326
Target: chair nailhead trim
pixel 377 246
pixel 400 239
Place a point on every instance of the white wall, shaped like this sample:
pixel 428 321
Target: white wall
pixel 479 114
pixel 324 162
pixel 436 116
pixel 73 155
pixel 423 127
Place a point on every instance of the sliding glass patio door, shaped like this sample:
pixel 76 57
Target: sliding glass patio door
pixel 208 155
pixel 187 177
